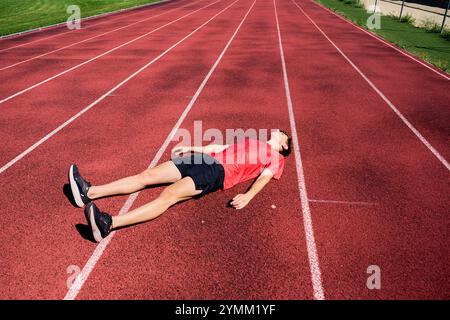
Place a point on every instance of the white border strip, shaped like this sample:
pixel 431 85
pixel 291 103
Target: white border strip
pixel 52 26
pixel 388 102
pixel 98 252
pixel 375 36
pixel 307 221
pixel 100 55
pixel 93 104
pixel 96 36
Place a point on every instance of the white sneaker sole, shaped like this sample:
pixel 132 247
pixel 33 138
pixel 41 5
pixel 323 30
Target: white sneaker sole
pixel 74 187
pixel 95 230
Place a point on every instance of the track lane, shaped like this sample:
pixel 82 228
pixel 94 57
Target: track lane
pixel 21 41
pixel 355 150
pixel 201 249
pixel 399 78
pixel 35 120
pixel 41 71
pixel 403 52
pixel 46 240
pixel 12 59
pixel 316 277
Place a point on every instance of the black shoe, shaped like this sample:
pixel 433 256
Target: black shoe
pixel 79 186
pixel 100 222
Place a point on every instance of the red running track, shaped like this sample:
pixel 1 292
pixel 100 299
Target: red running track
pixel 377 194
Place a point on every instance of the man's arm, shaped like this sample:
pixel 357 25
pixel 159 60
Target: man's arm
pixel 216 148
pixel 241 200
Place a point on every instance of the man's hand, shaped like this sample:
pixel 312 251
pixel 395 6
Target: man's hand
pixel 180 150
pixel 241 200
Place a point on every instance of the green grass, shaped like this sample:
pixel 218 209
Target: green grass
pixel 446 34
pixel 22 15
pixel 431 26
pixel 426 44
pixel 407 18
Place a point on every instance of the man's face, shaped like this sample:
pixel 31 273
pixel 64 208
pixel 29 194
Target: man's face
pixel 280 139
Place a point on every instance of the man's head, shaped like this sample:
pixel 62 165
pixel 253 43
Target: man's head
pixel 281 141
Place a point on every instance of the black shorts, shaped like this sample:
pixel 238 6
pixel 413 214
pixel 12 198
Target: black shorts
pixel 208 174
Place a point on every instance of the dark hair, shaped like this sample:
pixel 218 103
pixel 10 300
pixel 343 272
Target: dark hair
pixel 286 152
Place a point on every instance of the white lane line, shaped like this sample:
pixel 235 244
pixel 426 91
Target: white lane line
pixel 316 276
pixel 362 203
pixel 388 102
pixel 11 36
pixel 101 55
pixel 94 37
pixel 62 126
pixel 423 63
pixel 98 252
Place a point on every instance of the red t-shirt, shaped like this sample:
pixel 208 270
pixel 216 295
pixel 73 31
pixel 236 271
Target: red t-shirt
pixel 246 160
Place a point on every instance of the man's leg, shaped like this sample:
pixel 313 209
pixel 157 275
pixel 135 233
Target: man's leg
pixel 166 172
pixel 181 190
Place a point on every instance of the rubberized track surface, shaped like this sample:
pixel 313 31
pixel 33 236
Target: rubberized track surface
pixel 372 132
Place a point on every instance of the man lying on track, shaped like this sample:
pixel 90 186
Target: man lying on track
pixel 205 170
